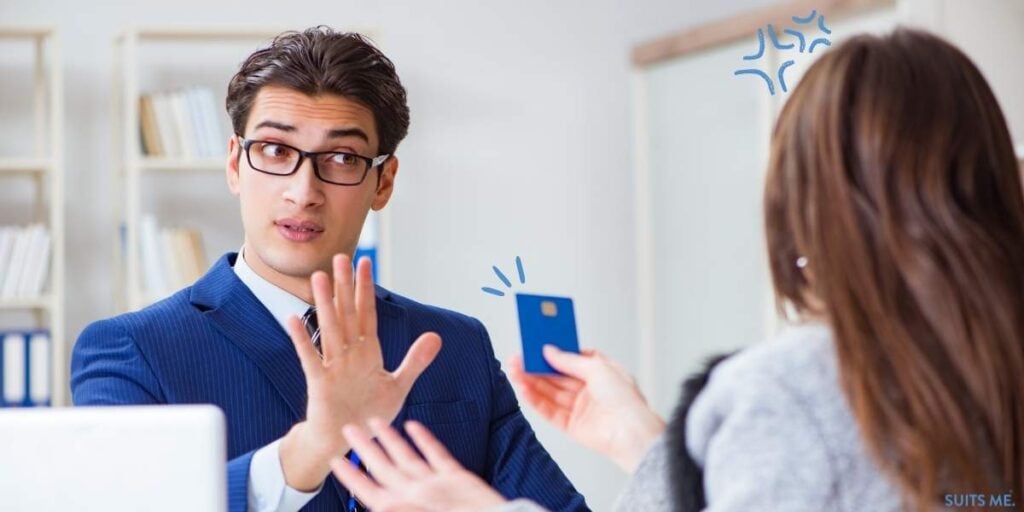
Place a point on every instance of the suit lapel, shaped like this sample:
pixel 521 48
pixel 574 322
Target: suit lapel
pixel 242 318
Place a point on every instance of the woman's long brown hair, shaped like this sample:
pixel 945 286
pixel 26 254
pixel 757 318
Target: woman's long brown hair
pixel 892 172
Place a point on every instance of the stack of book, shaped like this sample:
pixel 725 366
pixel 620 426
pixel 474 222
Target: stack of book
pixel 25 368
pixel 172 258
pixel 24 261
pixel 181 124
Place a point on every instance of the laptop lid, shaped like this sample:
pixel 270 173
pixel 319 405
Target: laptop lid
pixel 131 458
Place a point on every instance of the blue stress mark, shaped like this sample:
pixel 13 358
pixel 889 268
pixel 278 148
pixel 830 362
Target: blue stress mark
pixel 760 49
pixel 808 19
pixel 822 27
pixel 782 69
pixel 800 45
pixel 799 36
pixel 818 41
pixel 775 39
pixel 762 74
pixel 501 275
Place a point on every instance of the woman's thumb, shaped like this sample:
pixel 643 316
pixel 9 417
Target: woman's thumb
pixel 573 365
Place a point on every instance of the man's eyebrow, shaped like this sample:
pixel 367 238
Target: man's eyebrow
pixel 336 133
pixel 276 125
pixel 339 133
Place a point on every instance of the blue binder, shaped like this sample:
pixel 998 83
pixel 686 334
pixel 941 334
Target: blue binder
pixel 31 397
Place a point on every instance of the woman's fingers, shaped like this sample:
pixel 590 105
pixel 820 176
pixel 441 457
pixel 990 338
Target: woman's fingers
pixel 358 483
pixel 366 299
pixel 436 454
pixel 380 466
pixel 559 416
pixel 574 365
pixel 399 451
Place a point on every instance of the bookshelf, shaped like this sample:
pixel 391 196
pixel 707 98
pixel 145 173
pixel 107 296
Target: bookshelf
pixel 44 167
pixel 135 168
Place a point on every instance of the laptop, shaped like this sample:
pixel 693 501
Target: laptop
pixel 130 458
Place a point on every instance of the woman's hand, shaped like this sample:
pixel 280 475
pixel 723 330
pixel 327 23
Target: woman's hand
pixel 596 402
pixel 404 481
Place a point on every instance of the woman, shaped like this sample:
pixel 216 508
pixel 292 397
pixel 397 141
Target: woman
pixel 895 230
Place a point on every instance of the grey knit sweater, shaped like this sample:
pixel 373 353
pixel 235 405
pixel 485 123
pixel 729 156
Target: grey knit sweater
pixel 772 431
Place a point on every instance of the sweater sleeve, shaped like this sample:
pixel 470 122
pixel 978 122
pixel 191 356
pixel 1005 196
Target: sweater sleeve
pixel 758 444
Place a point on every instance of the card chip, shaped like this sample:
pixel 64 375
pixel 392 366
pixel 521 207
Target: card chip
pixel 548 308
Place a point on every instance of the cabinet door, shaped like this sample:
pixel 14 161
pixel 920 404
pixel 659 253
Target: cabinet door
pixel 702 142
pixel 701 148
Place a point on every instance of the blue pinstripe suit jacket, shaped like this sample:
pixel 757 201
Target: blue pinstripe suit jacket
pixel 215 343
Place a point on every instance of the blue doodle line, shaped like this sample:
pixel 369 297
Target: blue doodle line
pixel 775 39
pixel 762 74
pixel 508 283
pixel 760 50
pixel 816 42
pixel 821 25
pixel 798 35
pixel 782 69
pixel 804 21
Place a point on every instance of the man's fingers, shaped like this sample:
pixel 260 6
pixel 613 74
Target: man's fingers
pixel 435 452
pixel 419 357
pixel 308 357
pixel 331 338
pixel 380 466
pixel 358 483
pixel 398 450
pixel 345 302
pixel 366 299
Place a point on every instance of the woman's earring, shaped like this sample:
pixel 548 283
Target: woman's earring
pixel 801 262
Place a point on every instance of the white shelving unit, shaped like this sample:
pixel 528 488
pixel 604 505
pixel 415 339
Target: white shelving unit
pixel 45 167
pixel 133 166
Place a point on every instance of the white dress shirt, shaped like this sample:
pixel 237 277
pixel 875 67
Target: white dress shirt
pixel 268 491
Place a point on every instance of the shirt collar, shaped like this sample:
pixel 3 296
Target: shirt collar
pixel 279 302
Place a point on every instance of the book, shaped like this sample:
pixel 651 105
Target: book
pixel 16 267
pixel 151 145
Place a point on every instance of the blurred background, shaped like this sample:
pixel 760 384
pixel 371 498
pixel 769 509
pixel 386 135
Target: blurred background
pixel 608 144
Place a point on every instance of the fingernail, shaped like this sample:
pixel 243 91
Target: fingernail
pixel 551 348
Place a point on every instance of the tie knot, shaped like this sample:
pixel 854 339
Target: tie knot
pixel 312 327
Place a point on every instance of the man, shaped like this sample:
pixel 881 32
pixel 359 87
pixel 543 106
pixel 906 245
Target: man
pixel 317 118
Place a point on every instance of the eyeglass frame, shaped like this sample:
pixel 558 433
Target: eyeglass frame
pixel 312 156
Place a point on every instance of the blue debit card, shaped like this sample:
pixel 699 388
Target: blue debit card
pixel 543 321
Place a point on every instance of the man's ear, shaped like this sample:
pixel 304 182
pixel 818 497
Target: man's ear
pixel 386 186
pixel 231 166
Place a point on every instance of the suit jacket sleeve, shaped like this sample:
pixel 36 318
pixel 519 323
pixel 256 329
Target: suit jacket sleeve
pixel 518 466
pixel 108 368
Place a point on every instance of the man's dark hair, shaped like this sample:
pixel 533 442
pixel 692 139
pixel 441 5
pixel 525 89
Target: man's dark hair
pixel 319 60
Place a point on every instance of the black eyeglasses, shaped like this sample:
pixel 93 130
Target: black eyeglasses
pixel 335 167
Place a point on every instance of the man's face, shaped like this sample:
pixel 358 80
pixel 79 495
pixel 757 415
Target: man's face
pixel 295 224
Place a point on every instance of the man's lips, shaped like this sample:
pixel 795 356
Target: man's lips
pixel 298 230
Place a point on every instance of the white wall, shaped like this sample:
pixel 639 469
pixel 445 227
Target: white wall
pixel 519 145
